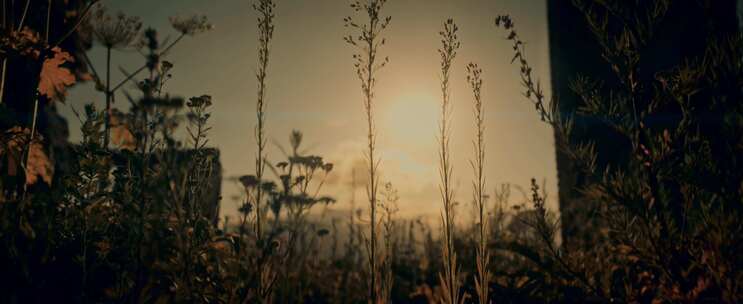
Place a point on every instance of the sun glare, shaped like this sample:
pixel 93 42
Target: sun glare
pixel 411 117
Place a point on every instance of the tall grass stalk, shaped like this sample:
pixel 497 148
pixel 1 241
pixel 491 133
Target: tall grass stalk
pixel 389 208
pixel 450 277
pixel 265 10
pixel 482 281
pixel 367 42
pixel 266 15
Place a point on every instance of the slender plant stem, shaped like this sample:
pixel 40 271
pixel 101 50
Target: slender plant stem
pixel 107 115
pixel 96 76
pixel 23 17
pixel 36 94
pixel 482 255
pixel 372 168
pixel 265 28
pixel 143 67
pixel 5 59
pixel 80 20
pixel 368 42
pixel 265 8
pixel 448 52
pixel 36 99
pixel 35 114
pixel 48 21
pixel 2 79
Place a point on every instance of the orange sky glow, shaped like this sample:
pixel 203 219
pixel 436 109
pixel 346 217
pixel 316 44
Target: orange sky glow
pixel 312 87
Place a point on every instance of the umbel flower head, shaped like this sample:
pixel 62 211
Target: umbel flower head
pixel 197 102
pixel 114 32
pixel 191 25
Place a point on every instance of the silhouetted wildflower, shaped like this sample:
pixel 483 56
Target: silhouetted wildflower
pixel 249 181
pixel 115 32
pixel 191 25
pixel 201 101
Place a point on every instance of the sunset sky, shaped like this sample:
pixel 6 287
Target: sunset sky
pixel 312 87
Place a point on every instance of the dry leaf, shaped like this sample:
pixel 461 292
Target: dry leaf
pixel 121 136
pixel 24 41
pixel 54 78
pixel 14 139
pixel 38 165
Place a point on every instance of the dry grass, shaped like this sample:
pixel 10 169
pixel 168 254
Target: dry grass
pixel 482 282
pixel 450 278
pixel 367 42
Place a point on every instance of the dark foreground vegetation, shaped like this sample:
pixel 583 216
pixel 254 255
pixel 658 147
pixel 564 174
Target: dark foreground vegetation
pixel 130 213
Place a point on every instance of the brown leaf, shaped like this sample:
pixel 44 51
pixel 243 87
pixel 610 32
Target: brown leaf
pixel 14 139
pixel 38 165
pixel 54 78
pixel 24 41
pixel 121 135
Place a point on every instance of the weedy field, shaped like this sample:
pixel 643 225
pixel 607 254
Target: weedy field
pixel 130 214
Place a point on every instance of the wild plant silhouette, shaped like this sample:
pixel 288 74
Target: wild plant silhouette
pixel 130 213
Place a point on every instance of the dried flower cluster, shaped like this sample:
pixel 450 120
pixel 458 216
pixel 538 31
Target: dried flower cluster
pixel 191 25
pixel 115 32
